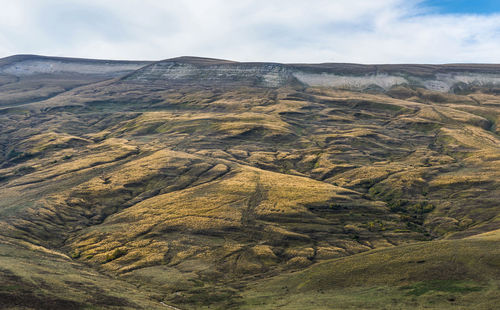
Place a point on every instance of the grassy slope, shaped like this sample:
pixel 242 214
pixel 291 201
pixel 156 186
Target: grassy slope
pixel 37 278
pixel 196 193
pixel 458 274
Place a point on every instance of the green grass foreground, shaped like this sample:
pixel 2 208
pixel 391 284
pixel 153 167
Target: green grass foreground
pixel 458 274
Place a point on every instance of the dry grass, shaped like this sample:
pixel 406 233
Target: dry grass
pixel 202 189
pixel 232 203
pixel 30 278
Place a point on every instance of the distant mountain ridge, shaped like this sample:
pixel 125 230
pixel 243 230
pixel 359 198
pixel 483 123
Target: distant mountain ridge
pixel 22 65
pixel 209 71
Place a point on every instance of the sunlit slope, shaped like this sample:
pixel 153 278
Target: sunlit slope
pixel 430 148
pixel 131 208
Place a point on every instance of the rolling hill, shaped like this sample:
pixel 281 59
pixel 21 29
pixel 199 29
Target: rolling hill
pixel 205 183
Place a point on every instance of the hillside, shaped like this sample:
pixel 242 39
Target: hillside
pixel 197 182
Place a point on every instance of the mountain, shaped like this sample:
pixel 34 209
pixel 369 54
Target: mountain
pixel 28 78
pixel 195 183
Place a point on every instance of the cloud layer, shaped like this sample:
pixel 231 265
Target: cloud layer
pixel 364 31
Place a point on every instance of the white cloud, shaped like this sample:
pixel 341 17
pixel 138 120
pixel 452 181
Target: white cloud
pixel 366 31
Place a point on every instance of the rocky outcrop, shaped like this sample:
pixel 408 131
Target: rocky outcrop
pixel 446 81
pixel 214 72
pixel 218 74
pixel 27 65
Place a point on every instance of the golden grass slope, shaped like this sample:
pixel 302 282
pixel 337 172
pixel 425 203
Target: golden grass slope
pixel 196 193
pixel 246 200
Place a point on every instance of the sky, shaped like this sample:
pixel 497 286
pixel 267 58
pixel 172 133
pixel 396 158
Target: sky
pixel 289 31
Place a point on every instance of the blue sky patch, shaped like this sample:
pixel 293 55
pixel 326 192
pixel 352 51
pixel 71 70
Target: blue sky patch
pixel 464 6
